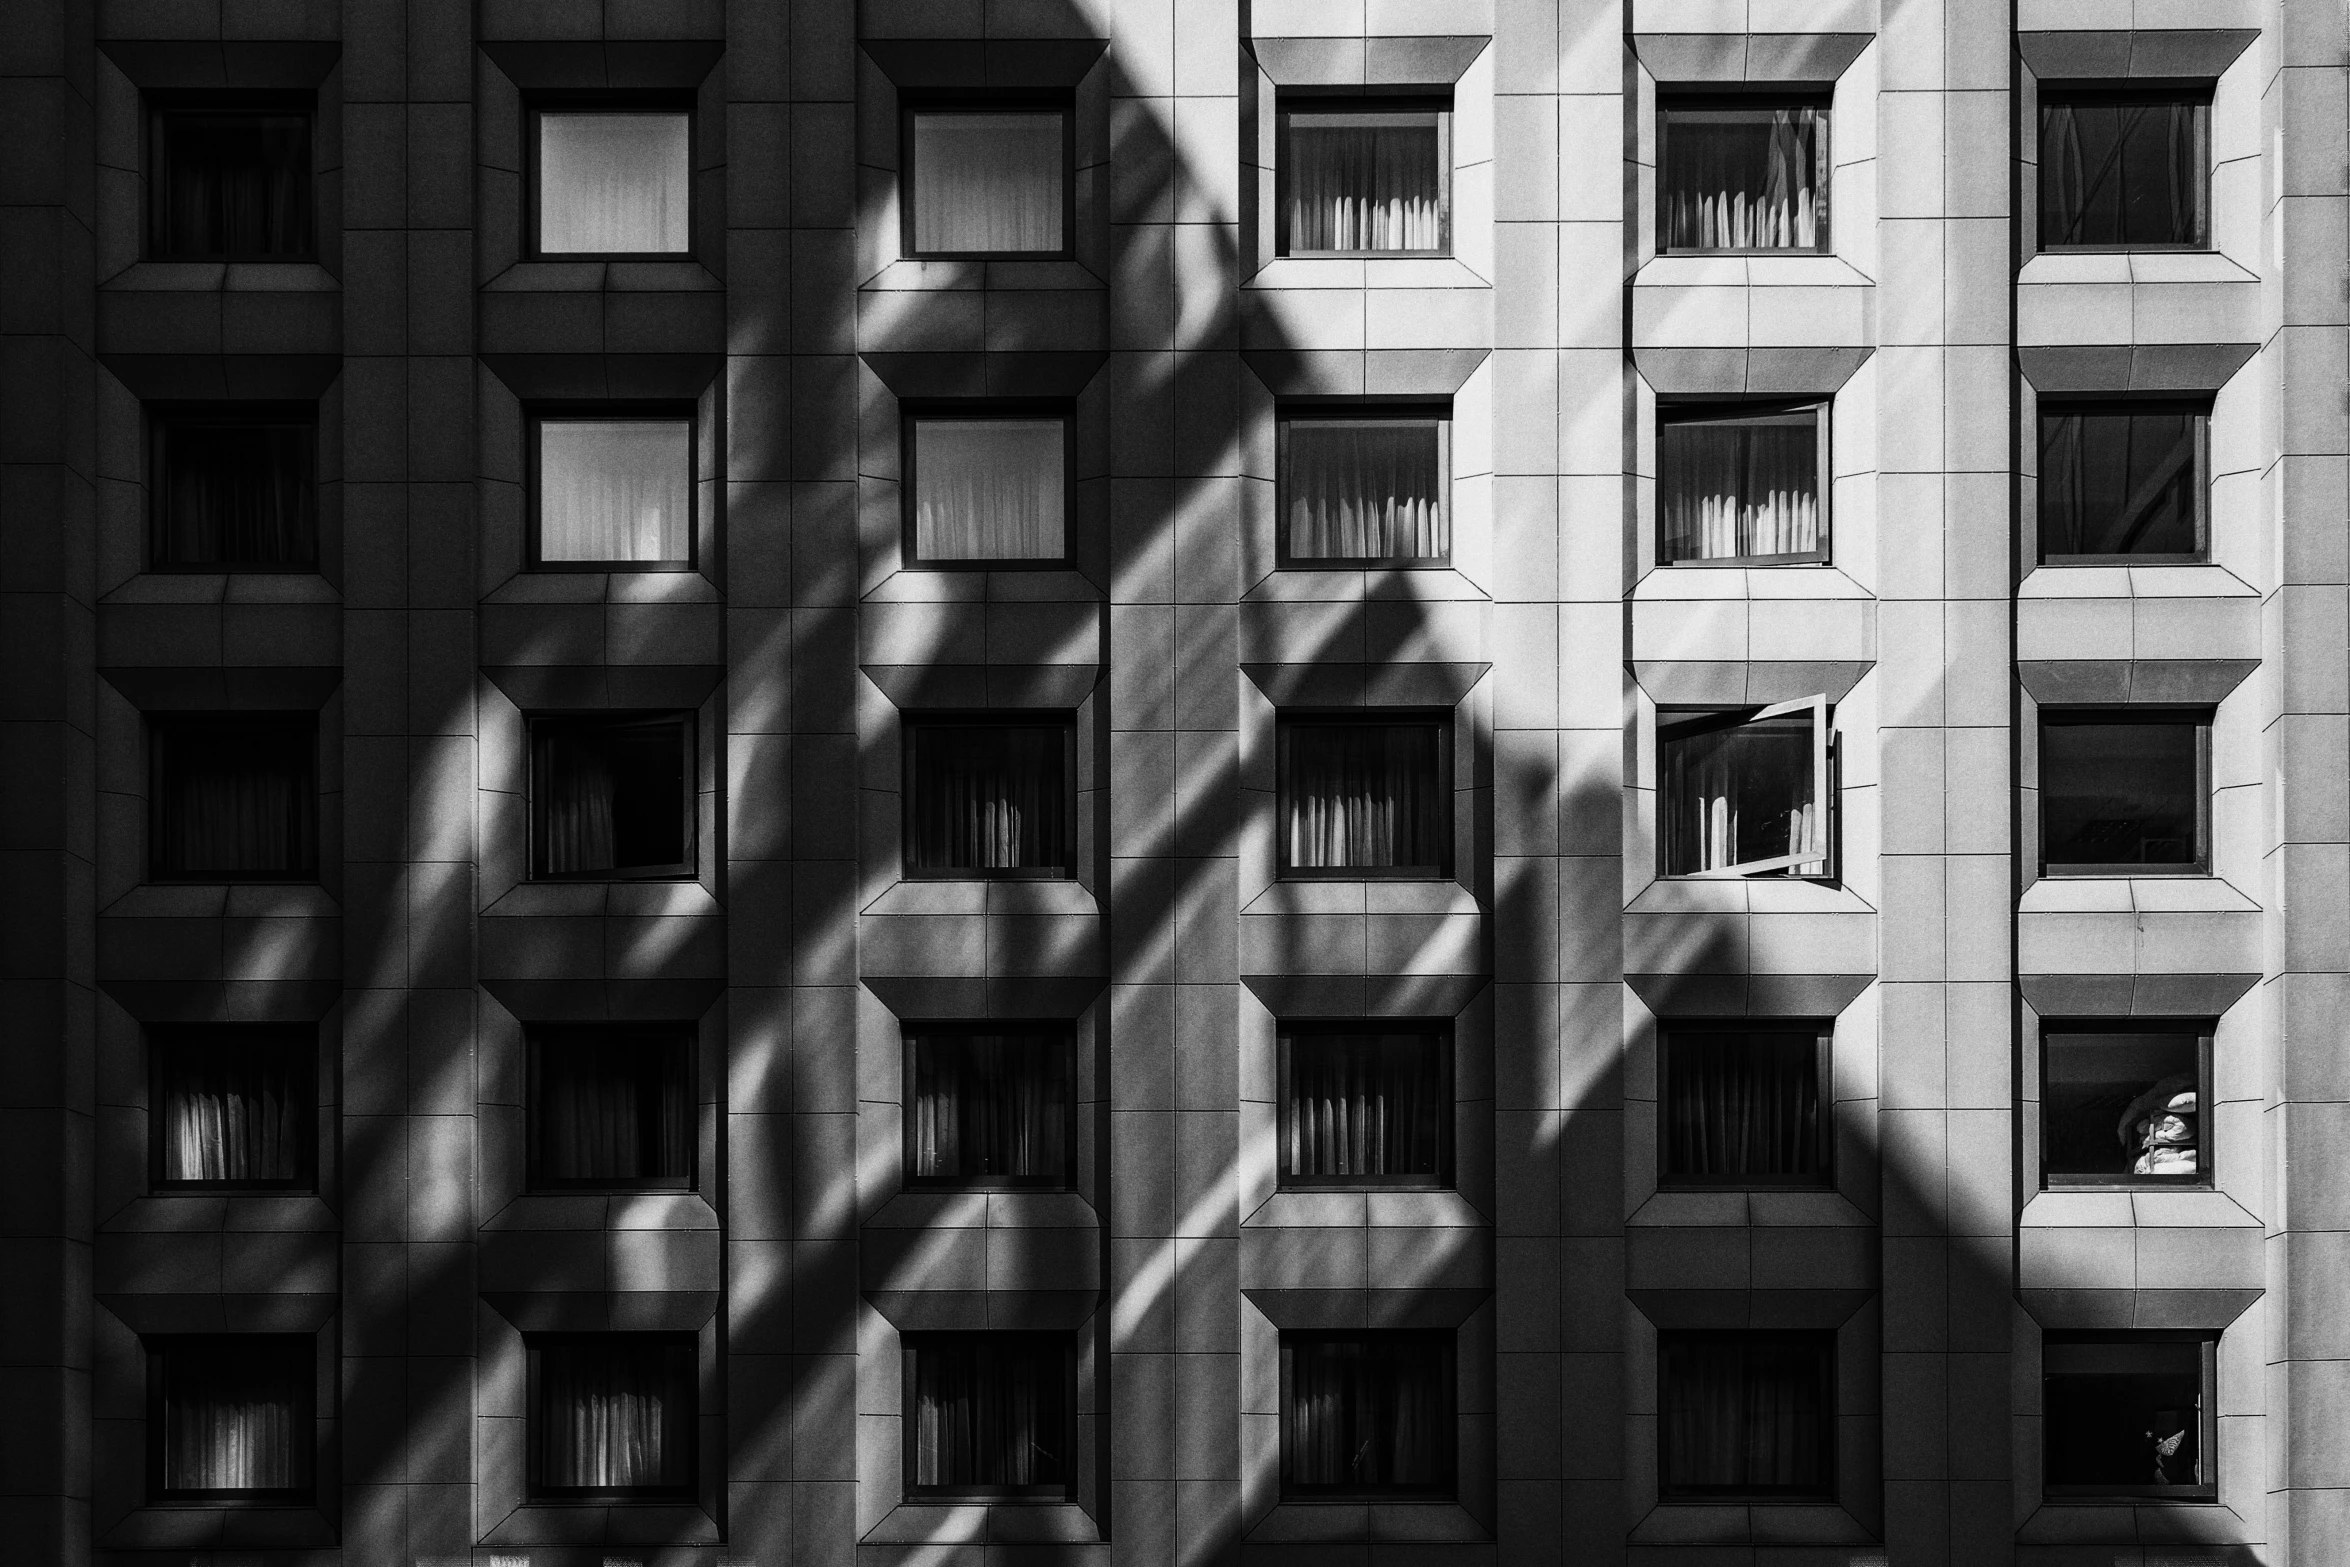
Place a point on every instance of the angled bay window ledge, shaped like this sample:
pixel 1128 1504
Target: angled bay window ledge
pixel 592 1260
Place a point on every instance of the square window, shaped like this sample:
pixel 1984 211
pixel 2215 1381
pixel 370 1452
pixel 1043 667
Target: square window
pixel 1366 1104
pixel 2124 481
pixel 2126 169
pixel 987 488
pixel 2129 1414
pixel 612 1106
pixel 990 1415
pixel 989 1106
pixel 234 1108
pixel 1365 797
pixel 232 1417
pixel 1743 1104
pixel 1741 484
pixel 2123 1104
pixel 989 798
pixel 987 181
pixel 614 182
pixel 1746 1414
pixel 614 490
pixel 229 179
pixel 1367 1415
pixel 612 1415
pixel 612 796
pixel 1365 488
pixel 2125 793
pixel 1746 791
pixel 1742 174
pixel 233 487
pixel 235 798
pixel 1367 177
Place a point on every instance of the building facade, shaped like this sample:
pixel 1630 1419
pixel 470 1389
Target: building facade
pixel 1050 781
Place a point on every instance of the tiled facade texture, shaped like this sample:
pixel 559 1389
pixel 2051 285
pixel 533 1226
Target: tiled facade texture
pixel 800 951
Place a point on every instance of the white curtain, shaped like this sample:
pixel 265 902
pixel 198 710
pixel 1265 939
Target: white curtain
pixel 1365 1105
pixel 988 183
pixel 618 490
pixel 988 489
pixel 989 797
pixel 617 1414
pixel 1736 795
pixel 614 184
pixel 1745 179
pixel 233 1416
pixel 1739 487
pixel 1364 797
pixel 231 1110
pixel 990 1411
pixel 1366 181
pixel 1364 489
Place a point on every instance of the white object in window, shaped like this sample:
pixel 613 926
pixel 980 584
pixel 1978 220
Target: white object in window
pixel 613 183
pixel 988 183
pixel 989 489
pixel 1745 793
pixel 615 490
pixel 1364 182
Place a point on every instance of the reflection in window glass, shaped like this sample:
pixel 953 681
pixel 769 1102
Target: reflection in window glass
pixel 616 491
pixel 1364 181
pixel 1744 177
pixel 989 489
pixel 1738 486
pixel 989 183
pixel 2123 170
pixel 2122 1106
pixel 2121 481
pixel 2120 793
pixel 2125 1415
pixel 615 183
pixel 1743 1106
pixel 1747 1414
pixel 1364 489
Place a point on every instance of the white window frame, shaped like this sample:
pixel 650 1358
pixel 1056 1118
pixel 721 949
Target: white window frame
pixel 1813 858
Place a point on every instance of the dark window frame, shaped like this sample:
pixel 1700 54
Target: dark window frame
pixel 1829 1456
pixel 910 1347
pixel 1360 100
pixel 2194 93
pixel 913 411
pixel 1439 1033
pixel 613 101
pixel 1822 1033
pixel 2207 1122
pixel 1819 98
pixel 2199 716
pixel 1827 763
pixel 299 1040
pixel 165 418
pixel 1009 101
pixel 535 1424
pixel 1445 1488
pixel 1288 720
pixel 1671 411
pixel 2055 406
pixel 2207 1418
pixel 683 1037
pixel 163 106
pixel 159 1349
pixel 1064 719
pixel 1436 411
pixel 1063 1037
pixel 688 722
pixel 161 727
pixel 535 416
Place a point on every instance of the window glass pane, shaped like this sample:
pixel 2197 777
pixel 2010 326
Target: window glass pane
pixel 236 1414
pixel 610 796
pixel 614 1413
pixel 1743 1105
pixel 989 798
pixel 1364 796
pixel 1745 178
pixel 234 490
pixel 617 490
pixel 1747 1413
pixel 613 1105
pixel 990 1412
pixel 615 184
pixel 2122 1415
pixel 2121 1104
pixel 1364 489
pixel 2120 794
pixel 232 1105
pixel 235 186
pixel 2120 481
pixel 989 183
pixel 1367 1413
pixel 2122 172
pixel 1733 487
pixel 1736 795
pixel 989 489
pixel 1371 180
pixel 1365 1105
pixel 236 798
pixel 989 1107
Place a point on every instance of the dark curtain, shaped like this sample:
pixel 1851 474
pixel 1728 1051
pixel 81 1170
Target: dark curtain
pixel 615 1414
pixel 1742 1104
pixel 1739 487
pixel 989 797
pixel 2118 1415
pixel 1364 489
pixel 235 186
pixel 990 1106
pixel 2120 482
pixel 1364 181
pixel 1365 1104
pixel 232 1108
pixel 990 1411
pixel 609 797
pixel 1738 794
pixel 1364 797
pixel 236 494
pixel 2120 793
pixel 236 1416
pixel 1368 1413
pixel 1747 1412
pixel 2116 173
pixel 236 799
pixel 1745 179
pixel 614 1106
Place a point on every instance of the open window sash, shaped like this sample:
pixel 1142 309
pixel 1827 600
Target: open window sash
pixel 1808 846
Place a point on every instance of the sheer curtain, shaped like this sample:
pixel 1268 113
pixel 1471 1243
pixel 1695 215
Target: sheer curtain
pixel 231 1106
pixel 236 1415
pixel 616 1413
pixel 1365 797
pixel 1371 180
pixel 609 796
pixel 990 1411
pixel 1745 179
pixel 989 489
pixel 989 183
pixel 1742 1104
pixel 2120 482
pixel 619 490
pixel 2115 173
pixel 614 1105
pixel 1737 794
pixel 236 187
pixel 235 493
pixel 615 184
pixel 989 797
pixel 990 1106
pixel 1367 1413
pixel 1747 1412
pixel 1364 489
pixel 1365 1105
pixel 1739 487
pixel 236 799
